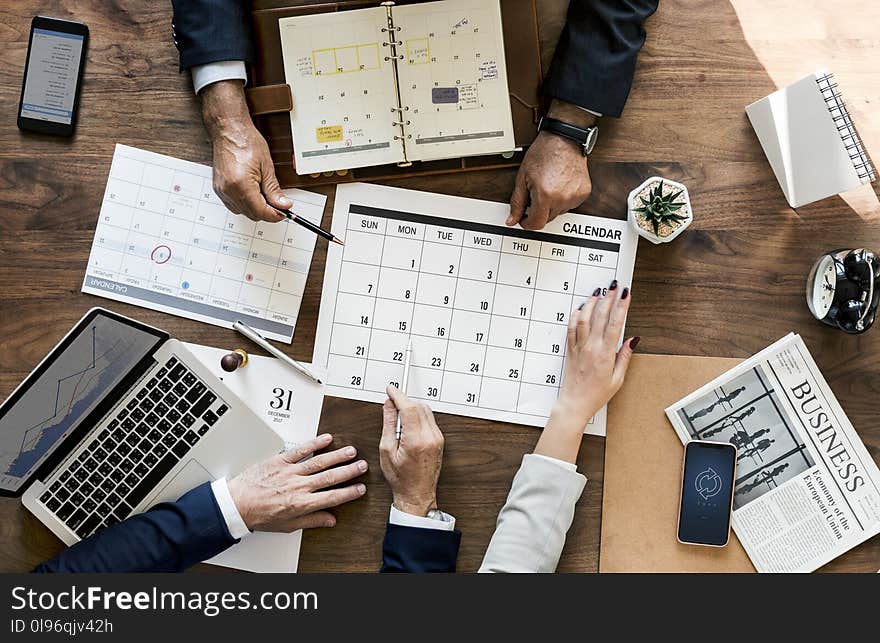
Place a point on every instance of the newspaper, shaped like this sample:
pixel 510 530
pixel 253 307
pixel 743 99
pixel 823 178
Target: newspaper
pixel 806 488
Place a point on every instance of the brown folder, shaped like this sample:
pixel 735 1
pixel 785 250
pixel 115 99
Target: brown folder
pixel 642 479
pixel 269 97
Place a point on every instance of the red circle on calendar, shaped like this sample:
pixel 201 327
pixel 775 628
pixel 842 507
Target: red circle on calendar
pixel 249 277
pixel 161 254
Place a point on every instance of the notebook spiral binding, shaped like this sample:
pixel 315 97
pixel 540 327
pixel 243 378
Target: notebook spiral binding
pixel 393 43
pixel 851 140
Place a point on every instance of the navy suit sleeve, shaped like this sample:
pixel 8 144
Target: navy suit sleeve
pixel 417 550
pixel 595 59
pixel 170 537
pixel 207 31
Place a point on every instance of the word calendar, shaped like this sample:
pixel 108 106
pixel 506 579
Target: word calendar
pixel 486 306
pixel 165 241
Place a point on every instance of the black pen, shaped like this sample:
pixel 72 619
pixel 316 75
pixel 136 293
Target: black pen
pixel 308 225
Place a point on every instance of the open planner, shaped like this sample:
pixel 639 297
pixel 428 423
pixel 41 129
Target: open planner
pixel 396 84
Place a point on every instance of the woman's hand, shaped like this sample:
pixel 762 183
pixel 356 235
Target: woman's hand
pixel 594 370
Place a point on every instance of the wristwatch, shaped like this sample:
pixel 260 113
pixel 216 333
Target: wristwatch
pixel 436 514
pixel 585 137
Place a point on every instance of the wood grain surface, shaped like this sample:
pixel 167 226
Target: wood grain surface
pixel 728 287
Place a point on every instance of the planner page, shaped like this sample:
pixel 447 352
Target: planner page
pixel 453 79
pixel 341 77
pixel 485 306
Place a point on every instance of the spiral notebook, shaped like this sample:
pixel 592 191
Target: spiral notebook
pixel 810 140
pixel 397 84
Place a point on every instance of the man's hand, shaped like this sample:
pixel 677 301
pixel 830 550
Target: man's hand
pixel 553 177
pixel 244 176
pixel 286 492
pixel 412 465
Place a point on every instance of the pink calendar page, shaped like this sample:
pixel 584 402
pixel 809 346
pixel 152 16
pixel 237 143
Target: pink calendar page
pixel 486 306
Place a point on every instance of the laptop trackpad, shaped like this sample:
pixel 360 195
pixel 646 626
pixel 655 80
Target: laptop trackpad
pixel 188 478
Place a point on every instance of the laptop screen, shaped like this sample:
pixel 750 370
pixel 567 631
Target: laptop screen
pixel 69 384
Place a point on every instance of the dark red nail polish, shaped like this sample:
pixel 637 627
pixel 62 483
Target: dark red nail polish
pixel 625 293
pixel 582 305
pixel 613 285
pixel 634 342
pixel 596 292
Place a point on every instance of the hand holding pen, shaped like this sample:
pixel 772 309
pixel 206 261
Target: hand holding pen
pixel 411 465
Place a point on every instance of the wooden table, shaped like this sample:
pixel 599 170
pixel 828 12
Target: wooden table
pixel 728 287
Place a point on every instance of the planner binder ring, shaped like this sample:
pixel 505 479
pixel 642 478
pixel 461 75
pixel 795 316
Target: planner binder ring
pixel 393 43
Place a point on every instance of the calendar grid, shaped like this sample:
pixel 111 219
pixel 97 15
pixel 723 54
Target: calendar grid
pixel 165 240
pixel 516 380
pixel 375 301
pixel 412 316
pixel 485 306
pixel 452 315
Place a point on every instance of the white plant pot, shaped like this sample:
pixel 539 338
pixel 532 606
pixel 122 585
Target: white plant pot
pixel 632 202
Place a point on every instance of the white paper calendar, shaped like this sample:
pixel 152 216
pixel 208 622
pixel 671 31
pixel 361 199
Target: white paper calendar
pixel 165 241
pixel 486 306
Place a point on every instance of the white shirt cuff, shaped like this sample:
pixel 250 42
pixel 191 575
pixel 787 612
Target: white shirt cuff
pixel 571 466
pixel 234 521
pixel 203 75
pixel 403 519
pixel 596 114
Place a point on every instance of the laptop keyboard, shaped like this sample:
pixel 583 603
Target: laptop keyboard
pixel 137 448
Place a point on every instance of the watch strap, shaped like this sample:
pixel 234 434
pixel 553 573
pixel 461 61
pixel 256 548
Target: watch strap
pixel 585 137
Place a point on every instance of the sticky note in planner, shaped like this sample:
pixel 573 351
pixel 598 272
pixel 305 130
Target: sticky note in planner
pixel 442 95
pixel 488 70
pixel 329 133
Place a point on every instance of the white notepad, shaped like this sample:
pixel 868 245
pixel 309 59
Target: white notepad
pixel 810 140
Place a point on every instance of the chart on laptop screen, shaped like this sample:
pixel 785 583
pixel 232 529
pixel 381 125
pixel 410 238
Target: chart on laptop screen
pixel 96 360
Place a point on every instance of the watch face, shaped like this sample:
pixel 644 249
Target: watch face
pixel 820 286
pixel 592 135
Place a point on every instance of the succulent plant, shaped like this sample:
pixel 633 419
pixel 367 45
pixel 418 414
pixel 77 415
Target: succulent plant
pixel 659 208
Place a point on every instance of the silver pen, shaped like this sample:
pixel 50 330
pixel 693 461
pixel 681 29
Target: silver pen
pixel 406 360
pixel 260 341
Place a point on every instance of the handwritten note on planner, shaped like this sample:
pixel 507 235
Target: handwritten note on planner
pixel 486 306
pixel 165 241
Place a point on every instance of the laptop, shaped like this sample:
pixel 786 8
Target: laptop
pixel 116 418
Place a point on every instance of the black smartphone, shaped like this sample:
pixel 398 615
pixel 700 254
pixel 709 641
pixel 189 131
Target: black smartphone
pixel 53 74
pixel 706 504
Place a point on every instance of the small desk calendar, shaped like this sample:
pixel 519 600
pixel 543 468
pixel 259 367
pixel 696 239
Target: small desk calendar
pixel 486 306
pixel 165 241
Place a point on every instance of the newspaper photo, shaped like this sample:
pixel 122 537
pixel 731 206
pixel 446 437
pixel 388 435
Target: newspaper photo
pixel 806 488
